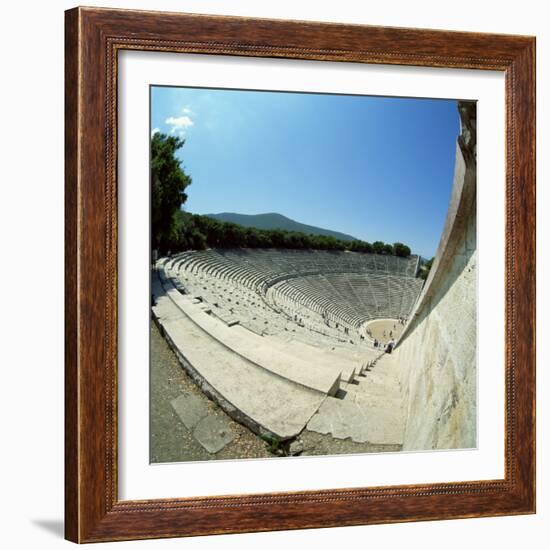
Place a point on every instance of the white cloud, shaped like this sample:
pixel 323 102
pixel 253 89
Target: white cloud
pixel 187 110
pixel 155 131
pixel 179 124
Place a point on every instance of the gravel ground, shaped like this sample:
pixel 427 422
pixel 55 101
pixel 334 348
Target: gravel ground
pixel 171 441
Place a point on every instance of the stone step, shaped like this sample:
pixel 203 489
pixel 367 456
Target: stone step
pixel 371 410
pixel 378 375
pixel 309 373
pixel 254 348
pixel 251 395
pixel 344 366
pixel 224 316
pixel 368 395
pixel 366 389
pixel 361 421
pixel 386 365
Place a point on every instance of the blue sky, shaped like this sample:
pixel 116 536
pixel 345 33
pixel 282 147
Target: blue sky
pixel 373 167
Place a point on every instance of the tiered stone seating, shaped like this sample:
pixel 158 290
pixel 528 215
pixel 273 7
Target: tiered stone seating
pixel 270 265
pixel 306 293
pixel 260 399
pixel 277 337
pixel 371 411
pixel 348 300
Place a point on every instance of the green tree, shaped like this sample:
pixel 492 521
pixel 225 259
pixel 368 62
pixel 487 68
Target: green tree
pixel 360 246
pixel 168 184
pixel 425 268
pixel 400 249
pixel 378 247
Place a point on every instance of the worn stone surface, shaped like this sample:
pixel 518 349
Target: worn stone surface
pixel 171 440
pixel 253 348
pixel 316 444
pixel 440 381
pixel 370 411
pixel 296 447
pixel 344 364
pixel 438 350
pixel 213 433
pixel 361 422
pixel 341 418
pixel 191 409
pixel 250 394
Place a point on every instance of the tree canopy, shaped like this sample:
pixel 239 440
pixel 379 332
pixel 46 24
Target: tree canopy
pixel 194 231
pixel 168 184
pixel 425 268
pixel 400 249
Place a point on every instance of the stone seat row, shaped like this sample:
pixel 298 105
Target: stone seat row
pixel 248 306
pixel 334 304
pixel 269 265
pixel 317 373
pixel 252 395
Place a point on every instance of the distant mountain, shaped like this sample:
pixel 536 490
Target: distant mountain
pixel 277 221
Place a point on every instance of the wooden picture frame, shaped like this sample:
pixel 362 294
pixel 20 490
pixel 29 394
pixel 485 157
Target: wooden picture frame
pixel 93 511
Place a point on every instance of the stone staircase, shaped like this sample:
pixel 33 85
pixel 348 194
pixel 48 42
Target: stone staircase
pixel 279 384
pixel 257 398
pixel 368 410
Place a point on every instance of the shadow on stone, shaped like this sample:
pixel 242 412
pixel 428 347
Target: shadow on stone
pixel 340 394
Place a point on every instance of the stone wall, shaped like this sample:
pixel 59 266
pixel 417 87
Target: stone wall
pixel 437 350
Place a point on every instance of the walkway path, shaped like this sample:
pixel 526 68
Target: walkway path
pixel 370 411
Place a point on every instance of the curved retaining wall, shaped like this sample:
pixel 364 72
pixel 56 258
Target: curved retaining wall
pixel 437 349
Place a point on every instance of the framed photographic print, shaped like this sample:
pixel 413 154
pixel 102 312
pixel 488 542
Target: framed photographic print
pixel 300 275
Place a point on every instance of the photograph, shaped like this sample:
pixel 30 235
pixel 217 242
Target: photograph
pixel 284 267
pixel 313 274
